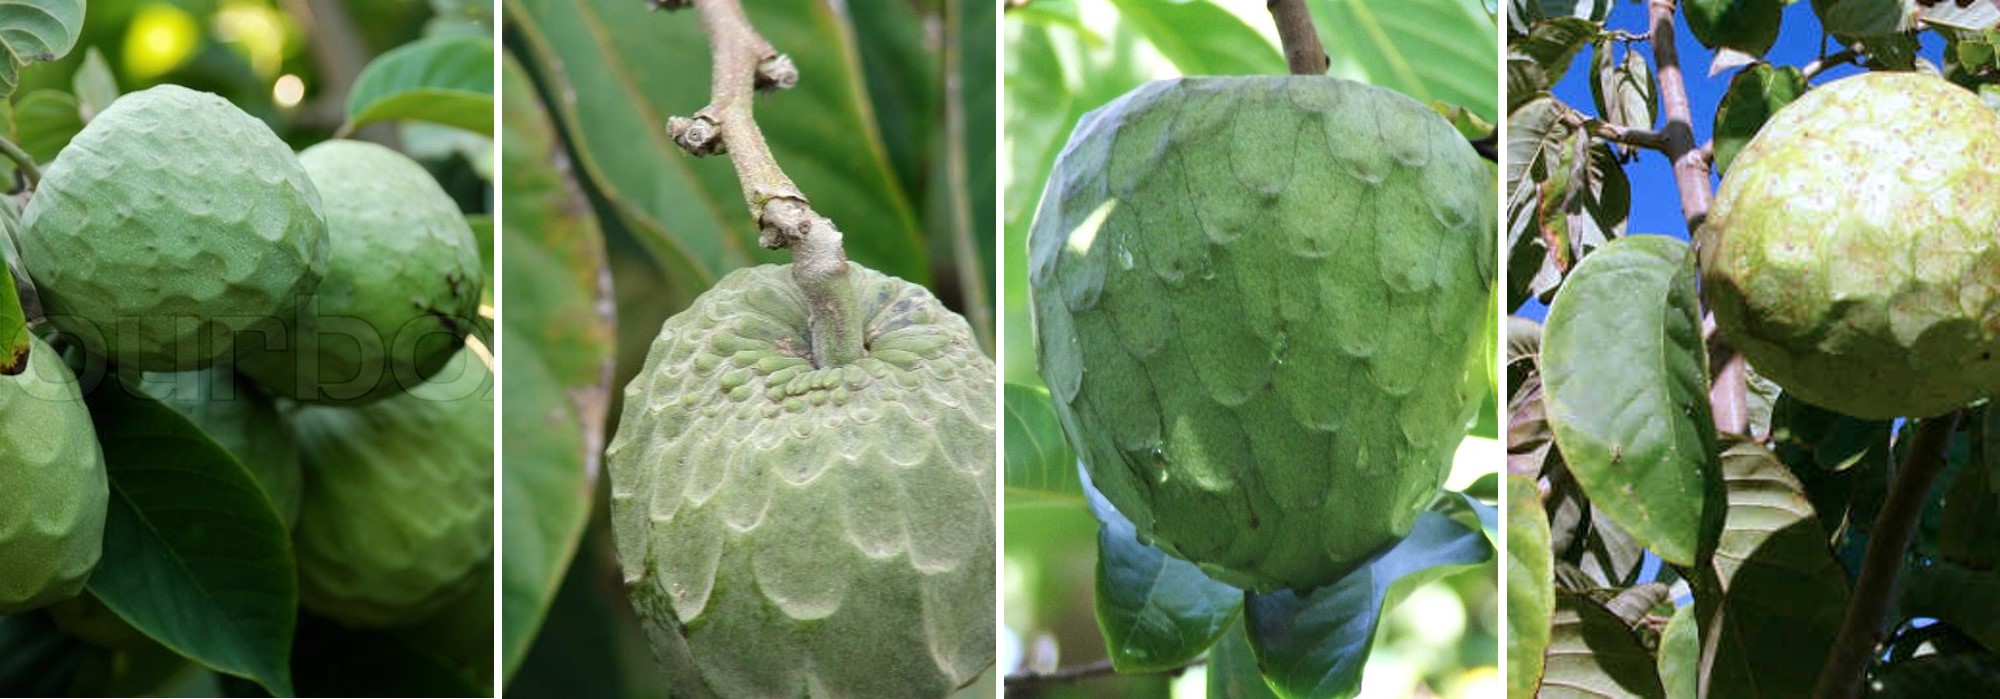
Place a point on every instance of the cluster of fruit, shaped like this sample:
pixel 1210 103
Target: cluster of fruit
pixel 306 311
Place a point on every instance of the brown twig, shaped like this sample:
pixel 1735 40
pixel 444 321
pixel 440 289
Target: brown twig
pixel 1820 65
pixel 1024 682
pixel 1614 133
pixel 1861 631
pixel 1303 52
pixel 744 63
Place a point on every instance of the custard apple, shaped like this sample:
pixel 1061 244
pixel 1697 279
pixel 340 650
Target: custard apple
pixel 53 489
pixel 244 421
pixel 1259 305
pixel 399 294
pixel 788 530
pixel 171 223
pixel 1853 251
pixel 398 507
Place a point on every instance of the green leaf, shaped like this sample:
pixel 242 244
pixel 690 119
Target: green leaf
pixel 445 79
pixel 1535 134
pixel 1862 18
pixel 1428 49
pixel 1969 534
pixel 1593 653
pixel 1232 669
pixel 1315 645
pixel 1040 463
pixel 1202 38
pixel 1623 88
pixel 1156 612
pixel 1530 586
pixel 46 121
pixel 1750 26
pixel 960 204
pixel 1754 95
pixel 1926 677
pixel 195 556
pixel 560 343
pixel 620 70
pixel 1680 654
pixel 35 30
pixel 95 85
pixel 1783 594
pixel 14 333
pixel 1624 369
pixel 1955 595
pixel 1537 62
pixel 902 67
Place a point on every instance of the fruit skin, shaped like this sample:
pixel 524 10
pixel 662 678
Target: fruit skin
pixel 53 488
pixel 172 222
pixel 398 507
pixel 788 531
pixel 1259 305
pixel 1852 255
pixel 401 289
pixel 242 419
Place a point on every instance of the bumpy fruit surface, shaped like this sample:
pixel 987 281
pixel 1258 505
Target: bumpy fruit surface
pixel 242 419
pixel 1258 308
pixel 787 530
pixel 170 223
pixel 400 292
pixel 53 490
pixel 398 507
pixel 1853 252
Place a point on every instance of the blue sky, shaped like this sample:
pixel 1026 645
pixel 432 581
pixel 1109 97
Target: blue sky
pixel 1656 208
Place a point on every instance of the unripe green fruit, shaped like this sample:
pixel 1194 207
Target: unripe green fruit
pixel 399 294
pixel 1853 252
pixel 787 530
pixel 171 223
pixel 241 419
pixel 398 499
pixel 53 489
pixel 1259 305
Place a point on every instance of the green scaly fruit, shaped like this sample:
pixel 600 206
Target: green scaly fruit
pixel 172 223
pixel 243 420
pixel 787 530
pixel 401 290
pixel 1853 252
pixel 1259 306
pixel 53 488
pixel 398 509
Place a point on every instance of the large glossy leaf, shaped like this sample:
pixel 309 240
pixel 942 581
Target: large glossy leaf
pixel 1972 674
pixel 1679 655
pixel 559 345
pixel 1623 87
pixel 444 79
pixel 1156 612
pixel 1750 26
pixel 1535 134
pixel 618 70
pixel 1232 669
pixel 1783 594
pixel 1433 50
pixel 35 30
pixel 1626 391
pixel 1530 586
pixel 1202 38
pixel 1040 463
pixel 1754 95
pixel 1537 61
pixel 1314 645
pixel 195 555
pixel 1955 595
pixel 1592 653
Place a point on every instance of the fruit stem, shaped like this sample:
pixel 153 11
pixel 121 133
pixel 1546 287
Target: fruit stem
pixel 1303 52
pixel 743 64
pixel 22 160
pixel 1861 631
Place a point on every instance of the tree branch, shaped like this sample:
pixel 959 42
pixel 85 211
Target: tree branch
pixel 1813 69
pixel 1303 52
pixel 744 63
pixel 1024 682
pixel 1690 170
pixel 1614 133
pixel 1861 632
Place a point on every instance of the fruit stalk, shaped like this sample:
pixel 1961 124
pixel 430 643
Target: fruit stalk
pixel 744 63
pixel 22 160
pixel 1303 52
pixel 1861 631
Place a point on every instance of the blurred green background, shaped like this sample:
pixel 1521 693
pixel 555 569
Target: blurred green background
pixel 1063 58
